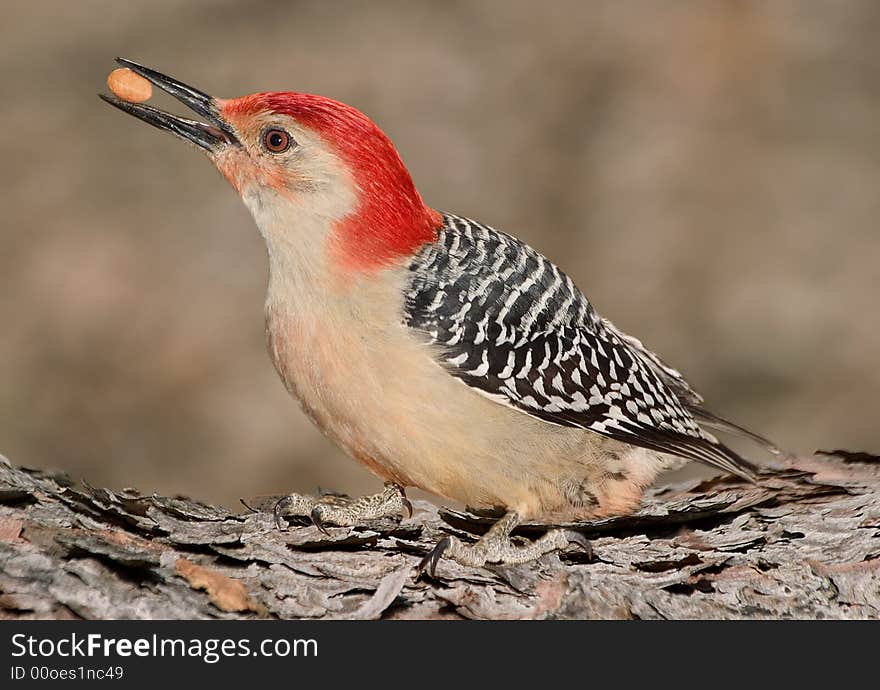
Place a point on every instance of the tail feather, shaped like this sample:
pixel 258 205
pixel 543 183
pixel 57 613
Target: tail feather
pixel 713 421
pixel 729 460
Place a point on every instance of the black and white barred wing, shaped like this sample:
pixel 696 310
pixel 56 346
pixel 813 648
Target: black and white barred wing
pixel 512 325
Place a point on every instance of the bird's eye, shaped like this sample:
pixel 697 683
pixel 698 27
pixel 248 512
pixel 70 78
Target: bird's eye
pixel 276 140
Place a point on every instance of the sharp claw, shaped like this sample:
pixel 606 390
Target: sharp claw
pixel 318 522
pixel 407 506
pixel 278 511
pixel 429 562
pixel 580 540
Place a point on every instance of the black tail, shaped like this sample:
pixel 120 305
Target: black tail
pixel 713 421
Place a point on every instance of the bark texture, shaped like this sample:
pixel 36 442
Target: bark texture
pixel 802 543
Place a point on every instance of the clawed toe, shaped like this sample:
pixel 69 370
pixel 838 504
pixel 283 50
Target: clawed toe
pixel 407 506
pixel 278 513
pixel 331 509
pixel 429 563
pixel 496 546
pixel 581 541
pixel 318 521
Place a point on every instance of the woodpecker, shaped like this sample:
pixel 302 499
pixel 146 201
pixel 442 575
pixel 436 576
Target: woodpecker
pixel 438 352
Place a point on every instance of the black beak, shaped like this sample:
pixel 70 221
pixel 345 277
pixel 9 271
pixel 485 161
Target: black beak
pixel 212 135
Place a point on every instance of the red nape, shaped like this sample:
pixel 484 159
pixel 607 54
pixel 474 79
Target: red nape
pixel 391 220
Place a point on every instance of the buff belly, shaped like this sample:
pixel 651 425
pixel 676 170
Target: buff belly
pixel 410 422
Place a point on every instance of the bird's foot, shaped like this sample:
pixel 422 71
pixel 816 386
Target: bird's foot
pixel 333 510
pixel 496 546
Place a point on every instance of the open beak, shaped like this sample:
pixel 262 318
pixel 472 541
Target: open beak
pixel 212 135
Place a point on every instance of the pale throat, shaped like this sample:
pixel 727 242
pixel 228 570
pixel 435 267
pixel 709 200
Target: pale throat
pixel 298 235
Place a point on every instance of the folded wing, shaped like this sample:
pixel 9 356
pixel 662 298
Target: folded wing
pixel 509 323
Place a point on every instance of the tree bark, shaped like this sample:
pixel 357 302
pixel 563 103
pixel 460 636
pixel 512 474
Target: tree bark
pixel 803 542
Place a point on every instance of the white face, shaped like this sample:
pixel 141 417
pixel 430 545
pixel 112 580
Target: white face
pixel 294 185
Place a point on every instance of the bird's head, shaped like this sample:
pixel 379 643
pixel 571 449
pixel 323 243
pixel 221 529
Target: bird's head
pixel 310 169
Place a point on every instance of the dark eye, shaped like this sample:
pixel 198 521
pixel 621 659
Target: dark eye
pixel 276 140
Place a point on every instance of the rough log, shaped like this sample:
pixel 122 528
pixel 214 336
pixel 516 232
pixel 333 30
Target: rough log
pixel 802 543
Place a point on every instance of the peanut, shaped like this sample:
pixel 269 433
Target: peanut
pixel 129 86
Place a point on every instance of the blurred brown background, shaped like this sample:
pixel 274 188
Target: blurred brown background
pixel 708 172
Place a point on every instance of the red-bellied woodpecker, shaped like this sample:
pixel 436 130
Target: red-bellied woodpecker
pixel 436 351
